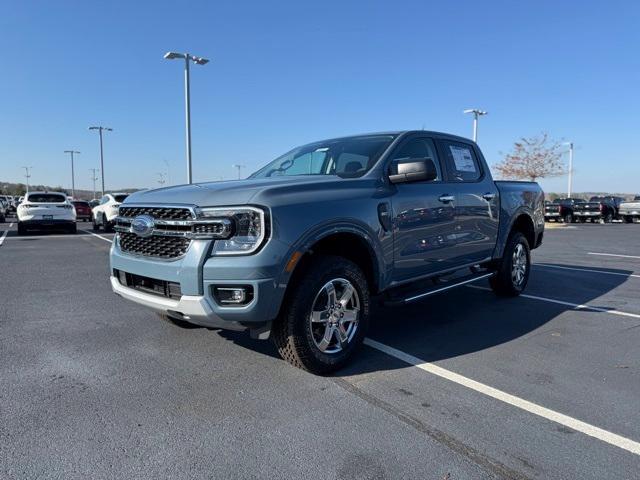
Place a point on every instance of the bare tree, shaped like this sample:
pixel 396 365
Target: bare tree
pixel 532 158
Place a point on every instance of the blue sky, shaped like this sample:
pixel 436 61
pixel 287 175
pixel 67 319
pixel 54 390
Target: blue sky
pixel 284 73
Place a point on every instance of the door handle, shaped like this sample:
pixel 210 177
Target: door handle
pixel 446 198
pixel 489 196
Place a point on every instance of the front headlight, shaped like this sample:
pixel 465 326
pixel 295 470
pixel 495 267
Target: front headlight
pixel 248 231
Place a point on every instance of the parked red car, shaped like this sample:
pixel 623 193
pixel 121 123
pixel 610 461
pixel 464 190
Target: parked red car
pixel 83 210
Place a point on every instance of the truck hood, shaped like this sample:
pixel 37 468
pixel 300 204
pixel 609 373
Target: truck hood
pixel 232 192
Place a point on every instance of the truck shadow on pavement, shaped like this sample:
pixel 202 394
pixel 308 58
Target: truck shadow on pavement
pixel 465 320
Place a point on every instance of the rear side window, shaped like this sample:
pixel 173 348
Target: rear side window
pixel 419 148
pixel 46 198
pixel 461 162
pixel 120 198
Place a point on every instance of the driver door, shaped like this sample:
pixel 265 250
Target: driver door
pixel 424 217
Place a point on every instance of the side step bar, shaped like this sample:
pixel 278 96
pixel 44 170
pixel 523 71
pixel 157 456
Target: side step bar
pixel 437 288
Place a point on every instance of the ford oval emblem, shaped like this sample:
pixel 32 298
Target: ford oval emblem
pixel 142 225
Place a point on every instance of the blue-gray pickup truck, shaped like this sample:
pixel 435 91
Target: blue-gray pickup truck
pixel 297 251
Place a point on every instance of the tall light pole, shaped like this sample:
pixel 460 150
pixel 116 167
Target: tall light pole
pixel 100 130
pixel 187 98
pixel 73 177
pixel 161 179
pixel 569 187
pixel 239 167
pixel 27 174
pixel 94 178
pixel 476 113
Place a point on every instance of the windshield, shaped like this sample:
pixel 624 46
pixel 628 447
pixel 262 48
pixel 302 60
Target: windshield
pixel 120 198
pixel 46 198
pixel 345 157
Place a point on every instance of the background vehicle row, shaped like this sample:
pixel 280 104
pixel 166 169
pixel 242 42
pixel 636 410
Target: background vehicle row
pixel 603 209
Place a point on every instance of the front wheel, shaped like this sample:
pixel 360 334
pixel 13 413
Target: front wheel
pixel 568 218
pixel 325 317
pixel 512 274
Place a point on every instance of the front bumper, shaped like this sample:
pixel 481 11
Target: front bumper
pixel 197 274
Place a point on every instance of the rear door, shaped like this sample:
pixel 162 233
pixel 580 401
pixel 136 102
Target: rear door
pixel 477 202
pixel 423 213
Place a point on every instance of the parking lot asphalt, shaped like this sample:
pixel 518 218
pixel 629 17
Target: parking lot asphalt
pixel 92 386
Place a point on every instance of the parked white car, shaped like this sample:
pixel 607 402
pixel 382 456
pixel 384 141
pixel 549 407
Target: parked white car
pixel 105 213
pixel 40 210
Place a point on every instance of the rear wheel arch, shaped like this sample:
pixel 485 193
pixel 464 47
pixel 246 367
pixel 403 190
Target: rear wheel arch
pixel 524 224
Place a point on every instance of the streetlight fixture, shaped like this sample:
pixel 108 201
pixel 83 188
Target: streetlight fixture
pixel 73 178
pixel 94 178
pixel 187 98
pixel 239 167
pixel 476 113
pixel 569 187
pixel 161 179
pixel 27 174
pixel 100 130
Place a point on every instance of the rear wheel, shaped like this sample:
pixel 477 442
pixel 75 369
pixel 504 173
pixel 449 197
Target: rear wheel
pixel 325 316
pixel 96 227
pixel 628 219
pixel 73 229
pixel 512 274
pixel 21 229
pixel 568 218
pixel 2 219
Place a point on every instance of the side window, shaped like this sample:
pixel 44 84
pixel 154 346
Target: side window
pixel 461 162
pixel 419 148
pixel 104 200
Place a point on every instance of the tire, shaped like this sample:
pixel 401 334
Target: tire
pixel 606 218
pixel 506 283
pixel 568 218
pixel 580 220
pixel 2 219
pixel 96 227
pixel 106 224
pixel 303 342
pixel 21 229
pixel 628 219
pixel 73 229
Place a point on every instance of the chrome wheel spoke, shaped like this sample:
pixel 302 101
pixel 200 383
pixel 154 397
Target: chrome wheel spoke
pixel 331 295
pixel 319 316
pixel 341 335
pixel 326 338
pixel 346 295
pixel 349 316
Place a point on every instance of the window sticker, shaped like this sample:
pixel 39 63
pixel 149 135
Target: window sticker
pixel 462 159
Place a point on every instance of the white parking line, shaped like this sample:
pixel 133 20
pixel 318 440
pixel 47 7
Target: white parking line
pixel 4 235
pixel 98 236
pixel 577 306
pixel 589 270
pixel 570 422
pixel 612 255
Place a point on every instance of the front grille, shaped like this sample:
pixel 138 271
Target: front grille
pixel 160 213
pixel 153 246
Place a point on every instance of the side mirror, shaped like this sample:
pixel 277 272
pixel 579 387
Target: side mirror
pixel 406 170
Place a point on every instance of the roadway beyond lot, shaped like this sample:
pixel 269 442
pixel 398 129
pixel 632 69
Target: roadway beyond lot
pixel 95 387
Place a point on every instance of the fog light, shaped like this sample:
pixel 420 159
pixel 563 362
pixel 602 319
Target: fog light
pixel 233 295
